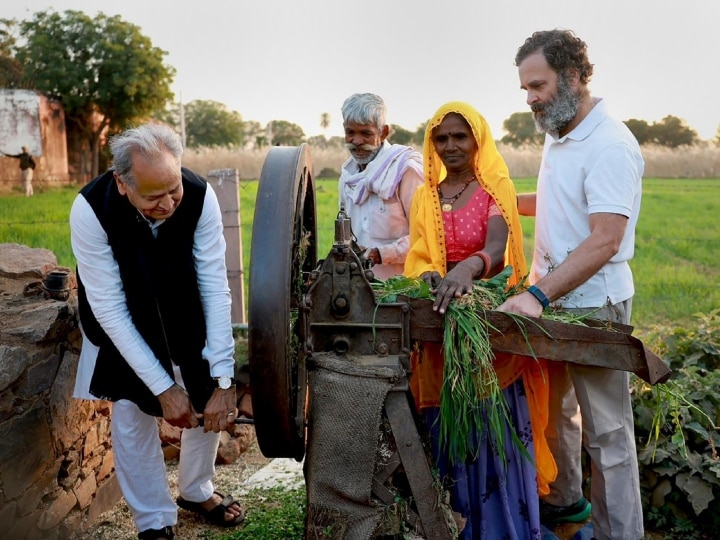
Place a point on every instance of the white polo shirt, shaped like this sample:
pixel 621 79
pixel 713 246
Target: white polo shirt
pixel 596 168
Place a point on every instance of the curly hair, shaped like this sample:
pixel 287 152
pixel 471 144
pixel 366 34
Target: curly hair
pixel 562 49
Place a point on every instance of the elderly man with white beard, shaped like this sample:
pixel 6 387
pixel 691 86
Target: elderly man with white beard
pixel 377 184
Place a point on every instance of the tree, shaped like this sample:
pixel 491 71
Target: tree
pixel 106 73
pixel 325 121
pixel 10 69
pixel 520 128
pixel 255 134
pixel 286 133
pixel 673 132
pixel 400 135
pixel 210 123
pixel 640 129
pixel 419 135
pixel 318 141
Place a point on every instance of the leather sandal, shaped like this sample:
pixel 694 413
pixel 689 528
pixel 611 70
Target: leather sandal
pixel 216 515
pixel 156 534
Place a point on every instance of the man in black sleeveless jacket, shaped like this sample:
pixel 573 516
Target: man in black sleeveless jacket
pixel 155 315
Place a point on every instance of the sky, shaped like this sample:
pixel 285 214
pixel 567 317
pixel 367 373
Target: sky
pixel 297 59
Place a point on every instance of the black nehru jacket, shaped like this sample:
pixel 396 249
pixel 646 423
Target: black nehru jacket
pixel 161 291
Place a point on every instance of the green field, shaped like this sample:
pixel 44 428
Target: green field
pixel 676 264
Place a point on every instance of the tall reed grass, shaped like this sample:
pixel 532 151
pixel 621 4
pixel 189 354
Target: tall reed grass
pixel 698 161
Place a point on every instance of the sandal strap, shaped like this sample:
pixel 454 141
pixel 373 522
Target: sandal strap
pixel 154 534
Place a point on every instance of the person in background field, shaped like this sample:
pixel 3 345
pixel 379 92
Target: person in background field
pixel 154 306
pixel 377 184
pixel 464 226
pixel 586 208
pixel 27 165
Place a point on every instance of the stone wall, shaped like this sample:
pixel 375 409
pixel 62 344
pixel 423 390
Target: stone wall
pixel 56 460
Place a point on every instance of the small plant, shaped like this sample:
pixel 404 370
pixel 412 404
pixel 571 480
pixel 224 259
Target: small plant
pixel 677 433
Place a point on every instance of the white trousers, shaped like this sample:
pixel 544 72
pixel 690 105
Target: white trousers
pixel 591 406
pixel 27 176
pixel 140 466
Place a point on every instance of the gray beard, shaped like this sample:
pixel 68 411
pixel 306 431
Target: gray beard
pixel 559 112
pixel 362 161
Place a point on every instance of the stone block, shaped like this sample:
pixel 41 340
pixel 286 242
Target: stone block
pixel 13 361
pixel 107 495
pixel 7 514
pixel 58 509
pixel 26 450
pixel 85 490
pixel 18 261
pixel 107 467
pixel 39 377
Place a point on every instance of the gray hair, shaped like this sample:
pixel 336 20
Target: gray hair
pixel 148 140
pixel 365 109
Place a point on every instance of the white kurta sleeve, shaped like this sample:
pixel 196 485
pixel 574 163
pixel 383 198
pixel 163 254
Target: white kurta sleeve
pixel 100 275
pixel 209 253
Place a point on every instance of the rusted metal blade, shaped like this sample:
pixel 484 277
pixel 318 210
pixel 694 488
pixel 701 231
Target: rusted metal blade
pixel 599 346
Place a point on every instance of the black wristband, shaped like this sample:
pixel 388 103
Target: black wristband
pixel 539 296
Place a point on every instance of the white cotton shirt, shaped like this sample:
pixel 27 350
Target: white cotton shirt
pixel 381 220
pixel 101 277
pixel 596 168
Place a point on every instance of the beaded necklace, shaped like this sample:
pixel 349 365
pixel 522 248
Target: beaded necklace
pixel 447 202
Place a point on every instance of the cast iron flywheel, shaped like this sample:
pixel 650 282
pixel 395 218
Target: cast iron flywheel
pixel 284 252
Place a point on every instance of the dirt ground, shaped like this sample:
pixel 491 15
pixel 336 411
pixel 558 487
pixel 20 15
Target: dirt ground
pixel 117 524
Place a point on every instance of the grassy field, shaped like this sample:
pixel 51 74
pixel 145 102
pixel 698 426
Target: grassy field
pixel 676 264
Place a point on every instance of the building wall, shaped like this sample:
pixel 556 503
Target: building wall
pixel 30 119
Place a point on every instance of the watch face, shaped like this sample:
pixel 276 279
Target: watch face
pixel 224 382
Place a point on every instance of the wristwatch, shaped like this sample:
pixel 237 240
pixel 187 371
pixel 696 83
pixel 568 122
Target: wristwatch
pixel 224 382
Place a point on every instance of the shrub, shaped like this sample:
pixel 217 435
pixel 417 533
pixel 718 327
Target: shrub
pixel 677 434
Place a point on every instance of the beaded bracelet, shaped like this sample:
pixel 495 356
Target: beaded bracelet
pixel 486 259
pixel 539 296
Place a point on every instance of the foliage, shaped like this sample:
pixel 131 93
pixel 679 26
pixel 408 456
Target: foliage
pixel 670 132
pixel 256 134
pixel 325 120
pixel 640 129
pixel 520 128
pixel 419 137
pixel 11 72
pixel 673 132
pixel 106 72
pixel 210 123
pixel 286 133
pixel 677 433
pixel 400 135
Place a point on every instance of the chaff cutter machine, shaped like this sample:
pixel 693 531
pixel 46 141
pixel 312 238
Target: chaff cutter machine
pixel 306 314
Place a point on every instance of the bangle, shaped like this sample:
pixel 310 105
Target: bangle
pixel 486 259
pixel 539 296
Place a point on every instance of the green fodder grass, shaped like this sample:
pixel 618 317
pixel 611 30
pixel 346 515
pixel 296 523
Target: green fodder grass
pixel 676 264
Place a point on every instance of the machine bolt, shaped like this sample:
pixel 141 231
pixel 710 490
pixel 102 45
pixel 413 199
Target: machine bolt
pixel 340 268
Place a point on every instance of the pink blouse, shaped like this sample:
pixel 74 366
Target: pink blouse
pixel 466 228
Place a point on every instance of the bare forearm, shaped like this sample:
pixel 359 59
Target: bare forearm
pixel 526 204
pixel 588 258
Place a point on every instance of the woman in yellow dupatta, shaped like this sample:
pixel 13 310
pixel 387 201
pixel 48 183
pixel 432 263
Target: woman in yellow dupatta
pixel 464 226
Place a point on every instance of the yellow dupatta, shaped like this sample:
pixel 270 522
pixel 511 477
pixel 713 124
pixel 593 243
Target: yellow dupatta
pixel 428 253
